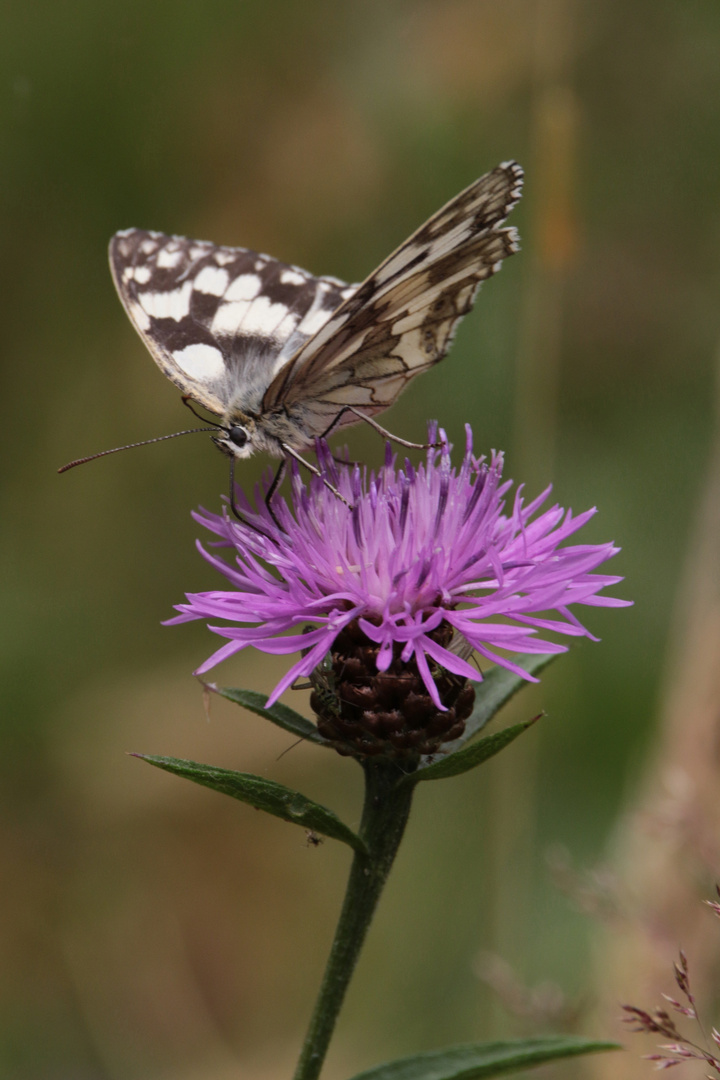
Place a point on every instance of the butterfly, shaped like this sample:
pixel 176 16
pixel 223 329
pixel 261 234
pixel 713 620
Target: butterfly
pixel 282 357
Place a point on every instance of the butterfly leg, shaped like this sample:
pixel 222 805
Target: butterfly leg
pixel 384 432
pixel 276 482
pixel 380 430
pixel 374 424
pixel 186 399
pixel 346 462
pixel 314 470
pixel 239 515
pixel 233 505
pixel 328 431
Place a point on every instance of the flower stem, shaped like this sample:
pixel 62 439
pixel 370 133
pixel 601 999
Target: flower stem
pixel 385 814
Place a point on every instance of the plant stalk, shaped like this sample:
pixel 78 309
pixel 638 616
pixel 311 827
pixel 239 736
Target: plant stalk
pixel 384 817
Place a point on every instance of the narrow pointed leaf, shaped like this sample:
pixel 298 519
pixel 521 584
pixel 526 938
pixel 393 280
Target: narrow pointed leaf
pixel 470 756
pixel 479 1060
pixel 263 794
pixel 496 688
pixel 281 715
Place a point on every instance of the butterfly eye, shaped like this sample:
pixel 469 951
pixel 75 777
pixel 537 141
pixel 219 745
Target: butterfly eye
pixel 238 436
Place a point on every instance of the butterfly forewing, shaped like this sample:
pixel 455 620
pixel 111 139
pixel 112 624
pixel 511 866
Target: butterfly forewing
pixel 219 321
pixel 400 321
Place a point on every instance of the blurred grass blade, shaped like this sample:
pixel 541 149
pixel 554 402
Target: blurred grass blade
pixel 469 757
pixel 495 690
pixel 281 715
pixel 477 1060
pixel 263 794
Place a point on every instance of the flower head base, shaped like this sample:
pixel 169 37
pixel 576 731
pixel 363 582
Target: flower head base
pixel 366 712
pixel 417 569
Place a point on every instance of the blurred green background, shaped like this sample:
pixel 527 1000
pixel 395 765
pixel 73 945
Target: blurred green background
pixel 146 928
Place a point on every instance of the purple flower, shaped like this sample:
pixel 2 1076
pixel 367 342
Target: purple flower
pixel 411 549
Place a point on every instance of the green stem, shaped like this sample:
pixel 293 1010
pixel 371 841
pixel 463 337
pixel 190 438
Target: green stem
pixel 385 814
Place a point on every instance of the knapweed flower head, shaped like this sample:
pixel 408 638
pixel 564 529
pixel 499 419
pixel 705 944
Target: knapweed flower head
pixel 395 587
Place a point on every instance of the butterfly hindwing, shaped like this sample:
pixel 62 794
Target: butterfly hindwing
pixel 400 321
pixel 219 321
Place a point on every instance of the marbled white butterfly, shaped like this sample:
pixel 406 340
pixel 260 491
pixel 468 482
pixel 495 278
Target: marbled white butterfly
pixel 282 357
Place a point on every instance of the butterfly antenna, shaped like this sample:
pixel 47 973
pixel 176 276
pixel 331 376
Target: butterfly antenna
pixel 130 446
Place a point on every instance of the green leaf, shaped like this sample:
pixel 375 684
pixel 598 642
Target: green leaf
pixel 263 794
pixel 279 714
pixel 478 1060
pixel 470 756
pixel 495 690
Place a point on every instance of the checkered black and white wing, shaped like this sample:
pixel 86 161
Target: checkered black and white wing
pixel 400 321
pixel 220 322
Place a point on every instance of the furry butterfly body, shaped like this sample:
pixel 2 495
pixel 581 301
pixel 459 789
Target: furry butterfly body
pixel 280 356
